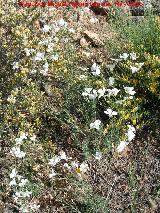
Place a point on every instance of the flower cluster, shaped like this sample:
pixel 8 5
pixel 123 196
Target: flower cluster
pixel 18 181
pixel 92 94
pixel 68 164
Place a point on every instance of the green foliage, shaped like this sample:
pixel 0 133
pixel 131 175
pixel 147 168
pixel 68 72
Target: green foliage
pixel 142 34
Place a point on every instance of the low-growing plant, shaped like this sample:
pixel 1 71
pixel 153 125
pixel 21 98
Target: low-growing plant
pixel 55 112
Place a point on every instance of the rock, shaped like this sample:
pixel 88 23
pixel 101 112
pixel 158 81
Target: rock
pixel 83 42
pixel 76 36
pixel 99 10
pixel 93 37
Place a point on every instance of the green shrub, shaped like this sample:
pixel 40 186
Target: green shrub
pixel 45 107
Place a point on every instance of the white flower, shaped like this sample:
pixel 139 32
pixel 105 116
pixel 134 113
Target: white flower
pixel 15 198
pixel 74 164
pixel 23 182
pixel 56 39
pixel 17 152
pixel 83 77
pixel 95 69
pixel 111 66
pixel 130 97
pixel 93 95
pixel 33 138
pixel 26 194
pixel 112 92
pixel 53 161
pixel 28 51
pixel 94 20
pixel 50 47
pixel 13 173
pixel 19 177
pixel 46 28
pixel 45 66
pixel 133 56
pixel 71 30
pixel 54 57
pixel 129 90
pixel 24 209
pixel 110 112
pixel 131 128
pixel 101 92
pixel 95 125
pixel 56 28
pixel 11 99
pixel 23 136
pixel 18 194
pixel 121 146
pixel 84 167
pixel 18 141
pixel 61 23
pixel 139 65
pixel 111 81
pixel 39 56
pixel 86 10
pixel 134 69
pixel 67 166
pixel 13 182
pixel 124 56
pixel 45 69
pixel 46 41
pixel 44 72
pixel 119 102
pixel 34 206
pixel 131 133
pixel 33 71
pixel 63 155
pixel 88 93
pixel 15 65
pixel 98 155
pixel 53 174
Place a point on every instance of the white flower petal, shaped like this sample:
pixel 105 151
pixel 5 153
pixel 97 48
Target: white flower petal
pixel 111 81
pixel 129 90
pixel 46 28
pixel 95 125
pixel 98 155
pixel 111 66
pixel 13 173
pixel 13 182
pixel 124 56
pixel 101 92
pixel 121 146
pixel 84 167
pixel 133 56
pixel 134 69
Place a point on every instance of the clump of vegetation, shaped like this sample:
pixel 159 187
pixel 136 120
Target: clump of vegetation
pixel 58 115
